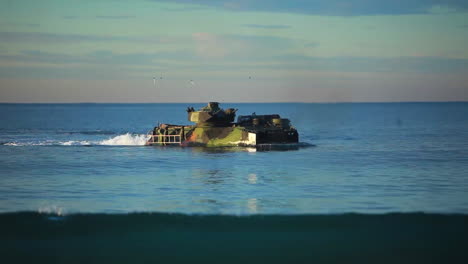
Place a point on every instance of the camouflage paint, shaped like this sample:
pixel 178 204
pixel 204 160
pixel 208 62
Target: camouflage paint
pixel 220 137
pixel 215 127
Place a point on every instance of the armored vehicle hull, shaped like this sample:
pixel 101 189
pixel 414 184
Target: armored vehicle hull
pixel 215 128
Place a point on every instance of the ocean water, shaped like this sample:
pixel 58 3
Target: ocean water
pixel 369 182
pixel 365 158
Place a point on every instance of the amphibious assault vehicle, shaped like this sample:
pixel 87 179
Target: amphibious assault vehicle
pixel 215 127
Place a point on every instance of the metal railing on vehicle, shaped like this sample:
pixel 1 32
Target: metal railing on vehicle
pixel 165 139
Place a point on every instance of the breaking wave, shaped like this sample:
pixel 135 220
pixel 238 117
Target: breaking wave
pixel 127 139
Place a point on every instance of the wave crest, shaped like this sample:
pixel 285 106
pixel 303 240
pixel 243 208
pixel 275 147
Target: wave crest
pixel 125 140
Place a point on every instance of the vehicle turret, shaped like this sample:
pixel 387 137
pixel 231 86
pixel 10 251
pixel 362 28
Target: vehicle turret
pixel 211 115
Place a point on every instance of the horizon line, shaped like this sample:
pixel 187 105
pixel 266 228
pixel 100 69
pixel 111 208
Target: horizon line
pixel 230 102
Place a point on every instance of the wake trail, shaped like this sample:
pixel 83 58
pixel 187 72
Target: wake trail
pixel 127 139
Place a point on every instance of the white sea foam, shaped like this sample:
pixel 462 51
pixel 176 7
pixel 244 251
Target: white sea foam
pixel 125 140
pixel 11 144
pixel 20 144
pixel 121 140
pixel 52 209
pixel 75 143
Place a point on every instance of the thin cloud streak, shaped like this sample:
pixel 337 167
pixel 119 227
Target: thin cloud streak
pixel 116 17
pixel 99 57
pixel 185 9
pixel 312 45
pixel 54 38
pixel 49 64
pixel 267 26
pixel 39 37
pixel 331 7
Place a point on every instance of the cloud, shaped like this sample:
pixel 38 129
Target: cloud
pixel 204 45
pixel 371 64
pixel 115 17
pixel 209 45
pixel 39 37
pixel 29 25
pixel 93 65
pixel 237 47
pixel 299 63
pixel 98 57
pixel 34 63
pixel 332 7
pixel 184 9
pixel 267 26
pixel 102 17
pixel 312 45
pixel 49 72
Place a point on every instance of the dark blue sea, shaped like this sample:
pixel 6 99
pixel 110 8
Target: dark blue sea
pixel 379 182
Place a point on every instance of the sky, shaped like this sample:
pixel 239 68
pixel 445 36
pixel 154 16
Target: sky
pixel 233 51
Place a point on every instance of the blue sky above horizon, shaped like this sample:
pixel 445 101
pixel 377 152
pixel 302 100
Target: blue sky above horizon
pixel 238 51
